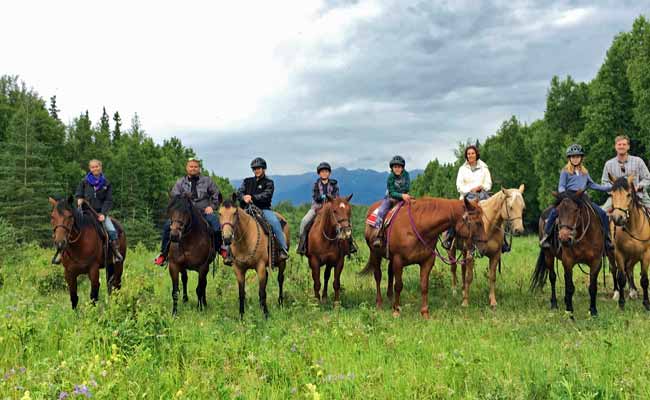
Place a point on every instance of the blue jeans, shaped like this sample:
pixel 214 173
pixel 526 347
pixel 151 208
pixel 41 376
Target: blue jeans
pixel 110 228
pixel 604 220
pixel 273 220
pixel 386 204
pixel 213 220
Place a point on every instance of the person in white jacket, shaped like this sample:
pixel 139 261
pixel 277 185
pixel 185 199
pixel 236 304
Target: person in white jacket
pixel 472 182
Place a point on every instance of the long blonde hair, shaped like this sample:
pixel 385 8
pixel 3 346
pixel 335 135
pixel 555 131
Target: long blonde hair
pixel 570 168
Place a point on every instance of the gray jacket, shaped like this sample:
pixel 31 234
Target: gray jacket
pixel 206 190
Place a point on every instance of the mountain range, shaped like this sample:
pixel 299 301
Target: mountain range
pixel 367 185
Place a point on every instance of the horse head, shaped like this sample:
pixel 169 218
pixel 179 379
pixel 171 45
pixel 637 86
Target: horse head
pixel 568 206
pixel 623 198
pixel 513 209
pixel 62 221
pixel 228 215
pixel 340 214
pixel 180 214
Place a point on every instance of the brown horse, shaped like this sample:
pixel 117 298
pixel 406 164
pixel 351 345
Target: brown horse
pixel 249 246
pixel 581 239
pixel 631 237
pixel 329 242
pixel 191 248
pixel 412 237
pixel 79 246
pixel 505 207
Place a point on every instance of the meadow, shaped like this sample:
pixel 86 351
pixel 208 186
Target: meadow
pixel 129 345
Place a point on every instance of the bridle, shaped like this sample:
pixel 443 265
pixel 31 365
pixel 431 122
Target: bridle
pixel 626 211
pixel 237 238
pixel 579 221
pixel 341 229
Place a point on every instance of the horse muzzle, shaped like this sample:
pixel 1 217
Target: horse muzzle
pixel 619 220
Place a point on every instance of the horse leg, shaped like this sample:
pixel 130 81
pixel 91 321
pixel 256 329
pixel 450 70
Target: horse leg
pixel 397 270
pixel 110 272
pixel 390 290
pixel 93 276
pixel 425 271
pixel 552 276
pixel 184 280
pixel 241 284
pixel 645 261
pixel 467 282
pixel 328 273
pixel 173 273
pixel 71 280
pixel 315 276
pixel 116 279
pixel 337 280
pixel 621 277
pixel 492 277
pixel 261 277
pixel 594 270
pixel 454 277
pixel 281 268
pixel 201 286
pixel 377 274
pixel 629 272
pixel 569 288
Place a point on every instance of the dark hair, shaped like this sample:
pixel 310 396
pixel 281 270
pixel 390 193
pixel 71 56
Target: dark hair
pixel 472 147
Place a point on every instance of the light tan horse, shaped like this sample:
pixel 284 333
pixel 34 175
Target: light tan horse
pixel 505 207
pixel 249 246
pixel 631 237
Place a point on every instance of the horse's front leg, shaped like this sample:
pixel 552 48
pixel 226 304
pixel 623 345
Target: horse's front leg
pixel 71 280
pixel 173 273
pixel 328 273
pixel 337 280
pixel 93 276
pixel 262 278
pixel 594 270
pixel 492 277
pixel 201 286
pixel 468 277
pixel 397 270
pixel 184 281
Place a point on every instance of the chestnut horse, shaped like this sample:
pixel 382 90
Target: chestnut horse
pixel 81 249
pixel 581 241
pixel 191 248
pixel 505 207
pixel 329 242
pixel 249 246
pixel 412 237
pixel 631 238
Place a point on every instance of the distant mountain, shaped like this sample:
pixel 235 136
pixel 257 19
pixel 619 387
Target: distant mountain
pixel 367 185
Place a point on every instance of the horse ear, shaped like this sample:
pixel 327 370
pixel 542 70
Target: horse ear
pixel 470 205
pixel 330 198
pixel 630 180
pixel 611 177
pixel 349 197
pixel 522 187
pixel 234 198
pixel 503 190
pixel 51 201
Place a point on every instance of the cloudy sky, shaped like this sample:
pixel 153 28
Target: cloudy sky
pixel 297 82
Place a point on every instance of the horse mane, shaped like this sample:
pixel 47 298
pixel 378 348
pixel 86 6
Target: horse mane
pixel 80 219
pixel 622 184
pixel 183 205
pixel 570 194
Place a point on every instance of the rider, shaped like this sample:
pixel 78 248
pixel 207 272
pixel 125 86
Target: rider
pixel 624 165
pixel 575 177
pixel 205 196
pixel 96 190
pixel 398 186
pixel 473 182
pixel 258 190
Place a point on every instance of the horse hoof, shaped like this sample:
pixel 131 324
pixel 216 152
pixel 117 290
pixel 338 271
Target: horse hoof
pixel 633 294
pixel 336 304
pixel 465 303
pixel 593 313
pixel 616 295
pixel 454 292
pixel 493 306
pixel 395 314
pixel 646 305
pixel 185 299
pixel 378 305
pixel 425 314
pixel 553 306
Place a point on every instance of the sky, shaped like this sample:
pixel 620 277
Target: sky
pixel 299 82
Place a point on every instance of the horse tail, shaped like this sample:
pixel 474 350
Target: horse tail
pixel 538 279
pixel 374 262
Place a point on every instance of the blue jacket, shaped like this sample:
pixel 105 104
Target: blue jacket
pixel 579 181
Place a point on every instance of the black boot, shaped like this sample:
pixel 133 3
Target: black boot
pixel 302 244
pixel 353 246
pixel 115 247
pixel 545 242
pixel 505 248
pixel 449 239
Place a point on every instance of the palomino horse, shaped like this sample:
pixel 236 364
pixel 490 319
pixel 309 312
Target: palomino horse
pixel 329 242
pixel 632 237
pixel 80 247
pixel 249 247
pixel 191 248
pixel 581 239
pixel 505 207
pixel 412 237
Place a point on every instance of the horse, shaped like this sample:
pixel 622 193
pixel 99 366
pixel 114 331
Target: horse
pixel 191 248
pixel 631 237
pixel 249 246
pixel 507 206
pixel 328 242
pixel 581 241
pixel 410 238
pixel 81 249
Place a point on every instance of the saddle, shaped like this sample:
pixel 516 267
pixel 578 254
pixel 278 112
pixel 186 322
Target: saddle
pixel 372 218
pixel 274 249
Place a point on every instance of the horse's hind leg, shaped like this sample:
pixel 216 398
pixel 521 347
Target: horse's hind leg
pixel 326 280
pixel 467 281
pixel 492 277
pixel 201 287
pixel 93 276
pixel 173 273
pixel 337 280
pixel 621 278
pixel 110 273
pixel 391 281
pixel 552 276
pixel 281 269
pixel 184 280
pixel 594 270
pixel 397 270
pixel 262 277
pixel 425 271
pixel 644 279
pixel 71 280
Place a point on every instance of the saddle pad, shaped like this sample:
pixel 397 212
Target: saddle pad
pixel 372 218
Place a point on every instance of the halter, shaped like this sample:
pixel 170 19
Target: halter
pixel 580 219
pixel 339 228
pixel 68 232
pixel 234 225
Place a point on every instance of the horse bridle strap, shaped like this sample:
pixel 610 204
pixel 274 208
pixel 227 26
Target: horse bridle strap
pixel 338 226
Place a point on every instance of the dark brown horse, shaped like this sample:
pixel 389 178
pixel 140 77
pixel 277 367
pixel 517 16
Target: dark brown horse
pixel 81 249
pixel 249 246
pixel 411 239
pixel 191 248
pixel 581 241
pixel 329 242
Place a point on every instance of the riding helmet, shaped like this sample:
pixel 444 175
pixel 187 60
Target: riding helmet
pixel 575 150
pixel 258 163
pixel 322 166
pixel 397 160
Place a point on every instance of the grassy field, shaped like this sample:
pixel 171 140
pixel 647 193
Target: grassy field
pixel 129 346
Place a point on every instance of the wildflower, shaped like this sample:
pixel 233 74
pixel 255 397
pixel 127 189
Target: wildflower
pixel 63 395
pixel 293 348
pixel 82 390
pixel 26 396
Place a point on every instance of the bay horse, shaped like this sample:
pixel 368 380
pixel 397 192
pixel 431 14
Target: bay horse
pixel 412 236
pixel 328 242
pixel 503 208
pixel 249 246
pixel 190 248
pixel 80 248
pixel 631 237
pixel 581 241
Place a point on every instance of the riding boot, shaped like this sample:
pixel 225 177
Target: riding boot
pixel 115 247
pixel 353 246
pixel 302 244
pixel 505 247
pixel 545 242
pixel 376 238
pixel 284 255
pixel 449 238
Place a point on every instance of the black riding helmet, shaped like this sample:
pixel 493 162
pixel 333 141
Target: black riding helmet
pixel 322 166
pixel 397 160
pixel 575 150
pixel 258 163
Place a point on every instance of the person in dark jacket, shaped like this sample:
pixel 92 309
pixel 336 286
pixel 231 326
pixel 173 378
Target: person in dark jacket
pixel 323 187
pixel 258 190
pixel 205 197
pixel 96 190
pixel 398 186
